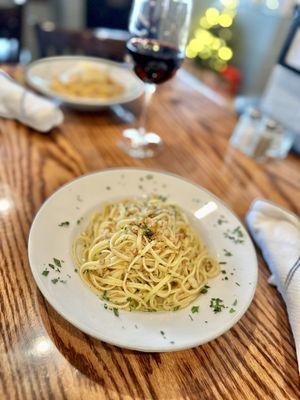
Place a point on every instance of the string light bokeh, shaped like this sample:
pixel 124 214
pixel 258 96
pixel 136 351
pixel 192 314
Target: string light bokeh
pixel 211 37
pixel 211 41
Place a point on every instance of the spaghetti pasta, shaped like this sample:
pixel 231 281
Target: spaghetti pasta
pixel 143 254
pixel 85 80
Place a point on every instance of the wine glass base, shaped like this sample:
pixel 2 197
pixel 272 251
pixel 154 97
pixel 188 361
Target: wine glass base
pixel 137 146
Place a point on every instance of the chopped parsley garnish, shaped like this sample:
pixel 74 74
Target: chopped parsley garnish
pixel 227 253
pixel 162 198
pixel 237 284
pixel 176 308
pixel 79 220
pixel 51 266
pixel 162 333
pixel 235 302
pixel 236 235
pixel 222 262
pixel 232 310
pixel 204 289
pixel 65 223
pixel 75 270
pixel 216 304
pixel 104 296
pixel 195 309
pixel 223 271
pixel 238 232
pixel 57 262
pixel 55 280
pixel 222 220
pixel 191 317
pixel 116 312
pixel 226 278
pixel 105 306
pixel 148 233
pixel 45 272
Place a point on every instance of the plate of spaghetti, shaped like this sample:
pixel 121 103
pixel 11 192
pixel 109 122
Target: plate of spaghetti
pixel 85 83
pixel 142 259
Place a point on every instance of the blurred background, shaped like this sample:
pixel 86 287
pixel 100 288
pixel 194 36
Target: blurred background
pixel 233 44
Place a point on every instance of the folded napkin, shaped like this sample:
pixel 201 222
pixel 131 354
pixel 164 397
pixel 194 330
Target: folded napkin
pixel 16 102
pixel 277 233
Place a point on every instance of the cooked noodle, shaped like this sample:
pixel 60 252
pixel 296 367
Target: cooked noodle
pixel 143 254
pixel 86 80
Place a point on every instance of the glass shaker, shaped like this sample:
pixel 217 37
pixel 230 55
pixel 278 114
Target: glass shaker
pixel 244 136
pixel 273 141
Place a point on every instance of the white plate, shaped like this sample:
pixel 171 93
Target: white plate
pixel 141 330
pixel 40 73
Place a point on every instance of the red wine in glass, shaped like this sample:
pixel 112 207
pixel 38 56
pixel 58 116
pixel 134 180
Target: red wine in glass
pixel 154 61
pixel 159 31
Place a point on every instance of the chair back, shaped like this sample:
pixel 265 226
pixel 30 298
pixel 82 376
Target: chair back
pixel 56 41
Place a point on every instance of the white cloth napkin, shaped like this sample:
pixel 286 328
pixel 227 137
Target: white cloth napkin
pixel 16 102
pixel 277 233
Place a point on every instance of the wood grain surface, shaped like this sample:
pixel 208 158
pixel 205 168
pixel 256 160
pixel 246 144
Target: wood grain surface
pixel 43 356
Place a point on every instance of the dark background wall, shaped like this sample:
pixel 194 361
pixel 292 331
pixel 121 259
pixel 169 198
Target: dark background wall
pixel 108 13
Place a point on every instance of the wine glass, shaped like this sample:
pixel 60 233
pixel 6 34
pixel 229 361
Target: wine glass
pixel 159 31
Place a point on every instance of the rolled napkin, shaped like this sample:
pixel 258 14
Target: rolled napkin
pixel 277 233
pixel 21 104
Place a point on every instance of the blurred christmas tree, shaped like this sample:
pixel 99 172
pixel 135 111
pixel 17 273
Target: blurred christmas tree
pixel 211 44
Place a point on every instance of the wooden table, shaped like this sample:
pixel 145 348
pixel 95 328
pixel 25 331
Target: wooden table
pixel 43 356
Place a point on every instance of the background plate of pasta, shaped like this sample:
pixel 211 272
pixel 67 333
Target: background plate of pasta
pixel 142 259
pixel 82 82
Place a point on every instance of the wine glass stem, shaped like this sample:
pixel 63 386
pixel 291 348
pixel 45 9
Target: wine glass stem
pixel 142 121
